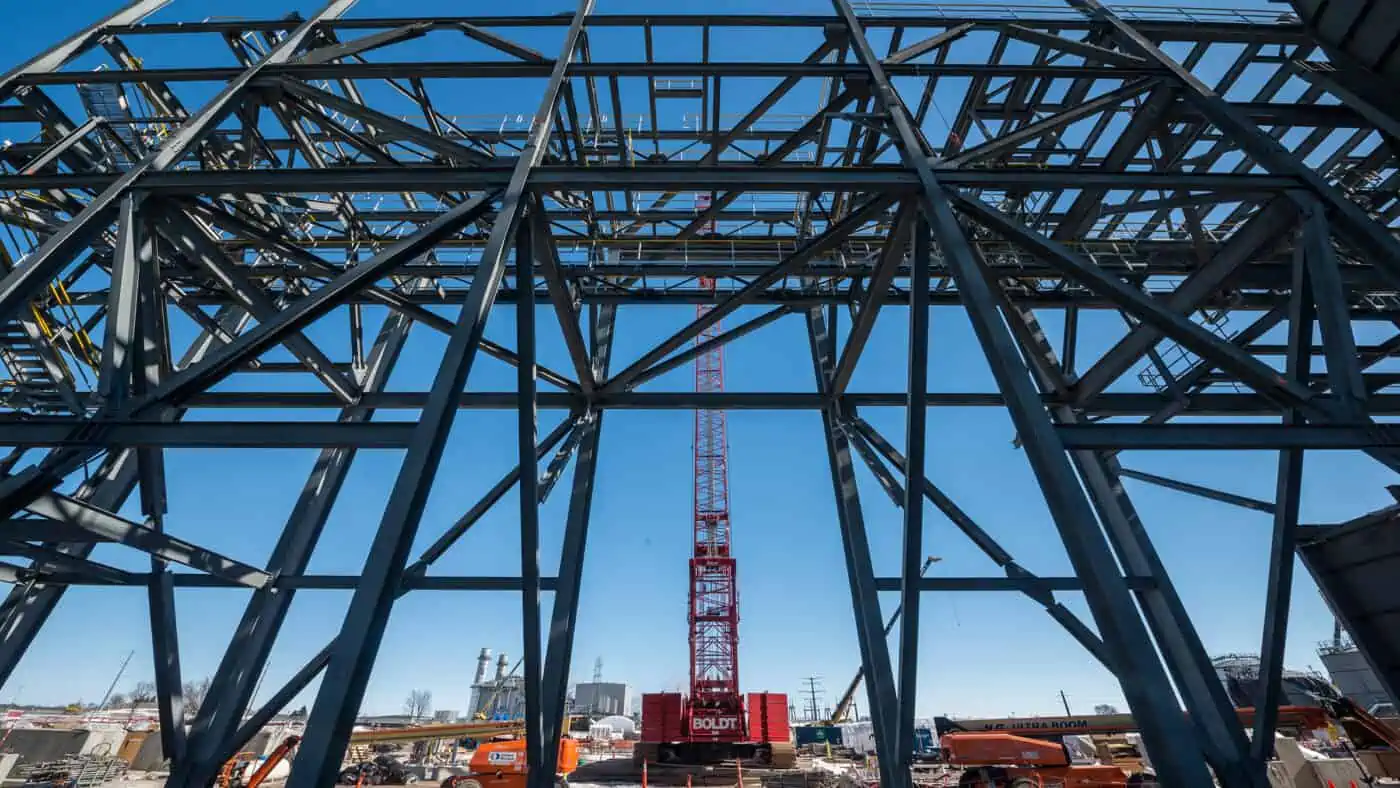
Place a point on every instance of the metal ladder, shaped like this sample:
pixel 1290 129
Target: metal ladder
pixel 1178 359
pixel 39 381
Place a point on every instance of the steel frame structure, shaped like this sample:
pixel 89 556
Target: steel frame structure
pixel 1090 166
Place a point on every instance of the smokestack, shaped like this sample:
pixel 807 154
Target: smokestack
pixel 501 666
pixel 483 663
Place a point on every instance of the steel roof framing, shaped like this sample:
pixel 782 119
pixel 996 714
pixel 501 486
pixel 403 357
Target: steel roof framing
pixel 1171 169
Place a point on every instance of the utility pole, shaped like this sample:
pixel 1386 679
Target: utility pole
pixel 1065 701
pixel 813 690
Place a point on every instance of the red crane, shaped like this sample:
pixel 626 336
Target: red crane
pixel 715 702
pixel 713 724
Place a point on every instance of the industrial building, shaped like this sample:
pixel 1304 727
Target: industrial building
pixel 1240 675
pixel 1161 230
pixel 1349 671
pixel 602 698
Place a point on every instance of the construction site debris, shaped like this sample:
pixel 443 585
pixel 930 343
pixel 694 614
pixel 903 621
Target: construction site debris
pixel 77 771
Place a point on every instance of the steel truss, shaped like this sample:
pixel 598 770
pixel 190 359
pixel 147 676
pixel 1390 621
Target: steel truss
pixel 1084 170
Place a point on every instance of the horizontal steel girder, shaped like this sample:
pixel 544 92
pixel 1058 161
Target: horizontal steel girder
pixel 551 178
pixel 462 583
pixel 53 431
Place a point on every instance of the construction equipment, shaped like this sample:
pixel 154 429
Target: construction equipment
pixel 711 725
pixel 501 764
pixel 232 774
pixel 1364 729
pixel 1000 760
pixel 380 770
pixel 1015 752
pixel 451 730
pixel 843 706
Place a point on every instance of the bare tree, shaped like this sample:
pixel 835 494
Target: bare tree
pixel 1104 708
pixel 194 694
pixel 418 704
pixel 143 692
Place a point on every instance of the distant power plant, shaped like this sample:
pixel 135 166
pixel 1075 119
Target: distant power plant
pixel 500 697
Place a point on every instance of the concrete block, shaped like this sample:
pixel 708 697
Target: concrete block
pixel 104 741
pixel 1293 766
pixel 1338 772
pixel 8 761
pixel 1278 776
pixel 35 745
pixel 1380 763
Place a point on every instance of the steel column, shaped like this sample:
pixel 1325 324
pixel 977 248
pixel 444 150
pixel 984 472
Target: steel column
pixel 1287 498
pixel 915 439
pixel 130 260
pixel 529 495
pixel 874 650
pixel 559 654
pixel 27 609
pixel 1219 736
pixel 1144 682
pixel 347 672
pixel 251 644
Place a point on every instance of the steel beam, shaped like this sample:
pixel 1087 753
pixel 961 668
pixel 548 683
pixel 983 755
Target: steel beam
pixel 649 177
pixel 699 349
pixel 258 340
pixel 1202 491
pixel 347 672
pixel 1330 298
pixel 251 644
pixel 915 439
pixel 891 260
pixel 130 259
pixel 26 610
pixel 1180 437
pixel 565 308
pixel 1225 355
pixel 447 148
pixel 109 527
pixel 989 546
pixel 207 434
pixel 1264 229
pixel 1349 217
pixel 560 637
pixel 1007 143
pixel 415 578
pixel 789 265
pixel 1219 737
pixel 193 242
pixel 58 56
pixel 1288 493
pixel 17 287
pixel 875 656
pixel 1144 682
pixel 527 432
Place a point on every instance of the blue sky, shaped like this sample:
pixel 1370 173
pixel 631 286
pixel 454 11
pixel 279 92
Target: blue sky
pixel 980 653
